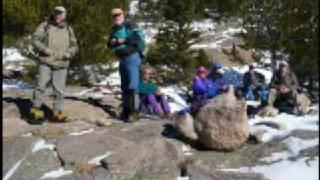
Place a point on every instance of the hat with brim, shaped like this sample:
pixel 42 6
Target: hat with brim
pixel 59 9
pixel 116 11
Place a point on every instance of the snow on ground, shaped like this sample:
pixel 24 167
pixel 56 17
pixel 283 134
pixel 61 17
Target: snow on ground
pixel 304 168
pixel 99 92
pixel 183 178
pixel 176 102
pixel 294 147
pixel 288 124
pixel 113 79
pixel 203 26
pixel 282 167
pixel 11 54
pixel 42 145
pixel 14 84
pixel 96 160
pixel 187 150
pixel 82 132
pixel 13 169
pixel 56 174
pixel 133 7
pixel 219 38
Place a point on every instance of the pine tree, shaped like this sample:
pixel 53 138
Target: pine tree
pixel 171 53
pixel 90 19
pixel 289 27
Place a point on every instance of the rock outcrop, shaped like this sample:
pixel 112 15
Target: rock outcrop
pixel 222 124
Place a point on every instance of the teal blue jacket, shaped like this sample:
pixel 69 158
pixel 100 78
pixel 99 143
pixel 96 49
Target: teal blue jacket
pixel 147 87
pixel 124 31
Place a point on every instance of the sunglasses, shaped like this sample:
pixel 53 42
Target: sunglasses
pixel 116 15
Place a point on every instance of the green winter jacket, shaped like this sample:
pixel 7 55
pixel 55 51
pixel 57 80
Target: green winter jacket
pixel 59 39
pixel 147 87
pixel 289 80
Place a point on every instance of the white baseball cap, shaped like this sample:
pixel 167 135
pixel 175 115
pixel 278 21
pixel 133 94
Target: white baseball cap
pixel 60 9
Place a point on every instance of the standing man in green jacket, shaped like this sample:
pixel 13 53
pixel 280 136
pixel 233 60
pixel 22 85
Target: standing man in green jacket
pixel 55 43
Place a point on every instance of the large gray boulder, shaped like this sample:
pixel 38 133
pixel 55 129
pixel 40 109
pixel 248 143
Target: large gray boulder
pixel 222 124
pixel 153 154
pixel 77 150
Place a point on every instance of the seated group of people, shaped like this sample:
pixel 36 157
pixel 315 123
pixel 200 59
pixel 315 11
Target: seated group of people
pixel 281 93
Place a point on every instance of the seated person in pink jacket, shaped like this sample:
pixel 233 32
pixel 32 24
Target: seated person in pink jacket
pixel 202 89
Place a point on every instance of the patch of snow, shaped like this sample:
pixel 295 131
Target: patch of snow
pixel 81 132
pixel 303 168
pixel 42 145
pixel 13 169
pixel 271 133
pixel 95 92
pixel 185 148
pixel 295 145
pixel 15 84
pixel 56 173
pixel 205 25
pixel 276 157
pixel 133 7
pixel 11 54
pixel 113 79
pixel 96 160
pixel 176 102
pixel 29 134
pixel 183 178
pixel 288 123
pixel 253 103
pixel 218 39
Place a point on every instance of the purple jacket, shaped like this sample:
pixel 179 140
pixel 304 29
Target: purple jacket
pixel 200 86
pixel 218 80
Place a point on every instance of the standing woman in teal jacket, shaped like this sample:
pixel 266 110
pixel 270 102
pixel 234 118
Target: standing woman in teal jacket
pixel 150 95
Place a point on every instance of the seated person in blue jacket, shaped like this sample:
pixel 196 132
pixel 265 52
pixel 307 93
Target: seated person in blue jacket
pixel 202 90
pixel 151 96
pixel 254 85
pixel 216 76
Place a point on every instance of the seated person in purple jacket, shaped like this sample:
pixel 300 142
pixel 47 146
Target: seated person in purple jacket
pixel 150 95
pixel 216 77
pixel 202 89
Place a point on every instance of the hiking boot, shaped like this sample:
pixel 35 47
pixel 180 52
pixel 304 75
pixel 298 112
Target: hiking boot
pixel 59 117
pixel 297 111
pixel 167 116
pixel 134 116
pixel 36 115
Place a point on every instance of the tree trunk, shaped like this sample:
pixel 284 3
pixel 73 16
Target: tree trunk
pixel 273 60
